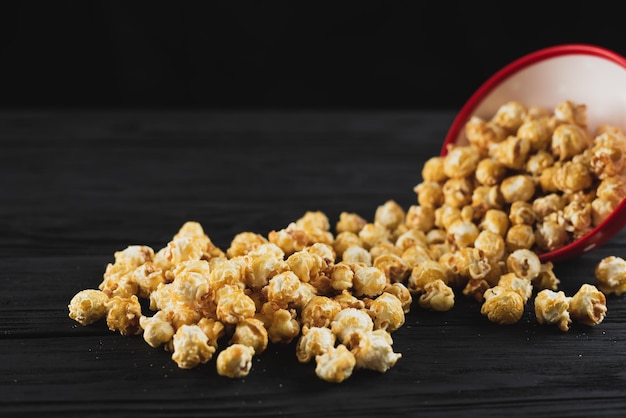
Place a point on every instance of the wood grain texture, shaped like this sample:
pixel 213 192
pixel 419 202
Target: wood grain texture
pixel 77 186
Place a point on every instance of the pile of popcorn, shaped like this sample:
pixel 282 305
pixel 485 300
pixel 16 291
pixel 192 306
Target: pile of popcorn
pixel 527 181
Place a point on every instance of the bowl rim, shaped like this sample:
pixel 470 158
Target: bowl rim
pixel 614 222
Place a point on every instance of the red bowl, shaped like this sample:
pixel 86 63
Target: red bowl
pixel 587 74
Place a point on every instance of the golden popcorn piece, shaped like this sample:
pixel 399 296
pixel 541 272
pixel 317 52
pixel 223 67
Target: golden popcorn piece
pixel 235 361
pixel 319 311
pixel 350 321
pixel 368 281
pixel 387 312
pixel 524 263
pixel 502 306
pixel 350 222
pixel 157 329
pixel 517 188
pixel 394 267
pixel 521 286
pixel 335 365
pixel 88 306
pixel 437 296
pixel 510 115
pixel 424 273
pixel 552 307
pixel 460 161
pixel 123 314
pixel 495 220
pixel 372 234
pixel 457 192
pixel 373 350
pixel 313 342
pixel 588 305
pixel 429 193
pixel 537 131
pixel 390 214
pixel 432 170
pixel 252 333
pixel 610 275
pixel 512 153
pixel 481 133
pixel 538 162
pixel 491 244
pixel 400 291
pixel 522 236
pixel 462 233
pixel 490 172
pixel 191 347
pixel 569 140
pixel 571 112
pixel 547 278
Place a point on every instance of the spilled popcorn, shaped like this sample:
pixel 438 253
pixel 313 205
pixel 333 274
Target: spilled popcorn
pixel 528 181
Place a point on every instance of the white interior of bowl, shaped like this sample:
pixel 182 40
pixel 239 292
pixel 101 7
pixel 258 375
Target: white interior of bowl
pixel 597 82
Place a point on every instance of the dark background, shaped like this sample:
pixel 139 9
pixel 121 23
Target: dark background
pixel 278 54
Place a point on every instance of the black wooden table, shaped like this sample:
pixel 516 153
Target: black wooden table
pixel 77 186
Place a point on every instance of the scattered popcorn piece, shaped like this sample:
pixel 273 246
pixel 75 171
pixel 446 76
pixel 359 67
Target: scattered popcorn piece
pixel 281 324
pixel 437 296
pixel 335 365
pixel 610 275
pixel 522 287
pixel 524 264
pixel 373 350
pixel 123 315
pixel 313 342
pixel 387 311
pixel 191 347
pixel 157 329
pixel 128 259
pixel 552 308
pixel 502 306
pixel 235 361
pixel 213 329
pixel 351 321
pixel 252 333
pixel 233 305
pixel 368 281
pixel 88 306
pixel 546 278
pixel 319 311
pixel 588 305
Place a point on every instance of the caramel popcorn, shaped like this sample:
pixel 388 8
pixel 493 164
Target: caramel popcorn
pixel 502 306
pixel 588 305
pixel 335 365
pixel 123 315
pixel 388 312
pixel 528 180
pixel 437 296
pixel 191 347
pixel 235 361
pixel 314 342
pixel 610 275
pixel 351 321
pixel 157 329
pixel 251 332
pixel 88 306
pixel 319 311
pixel 373 350
pixel 552 308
